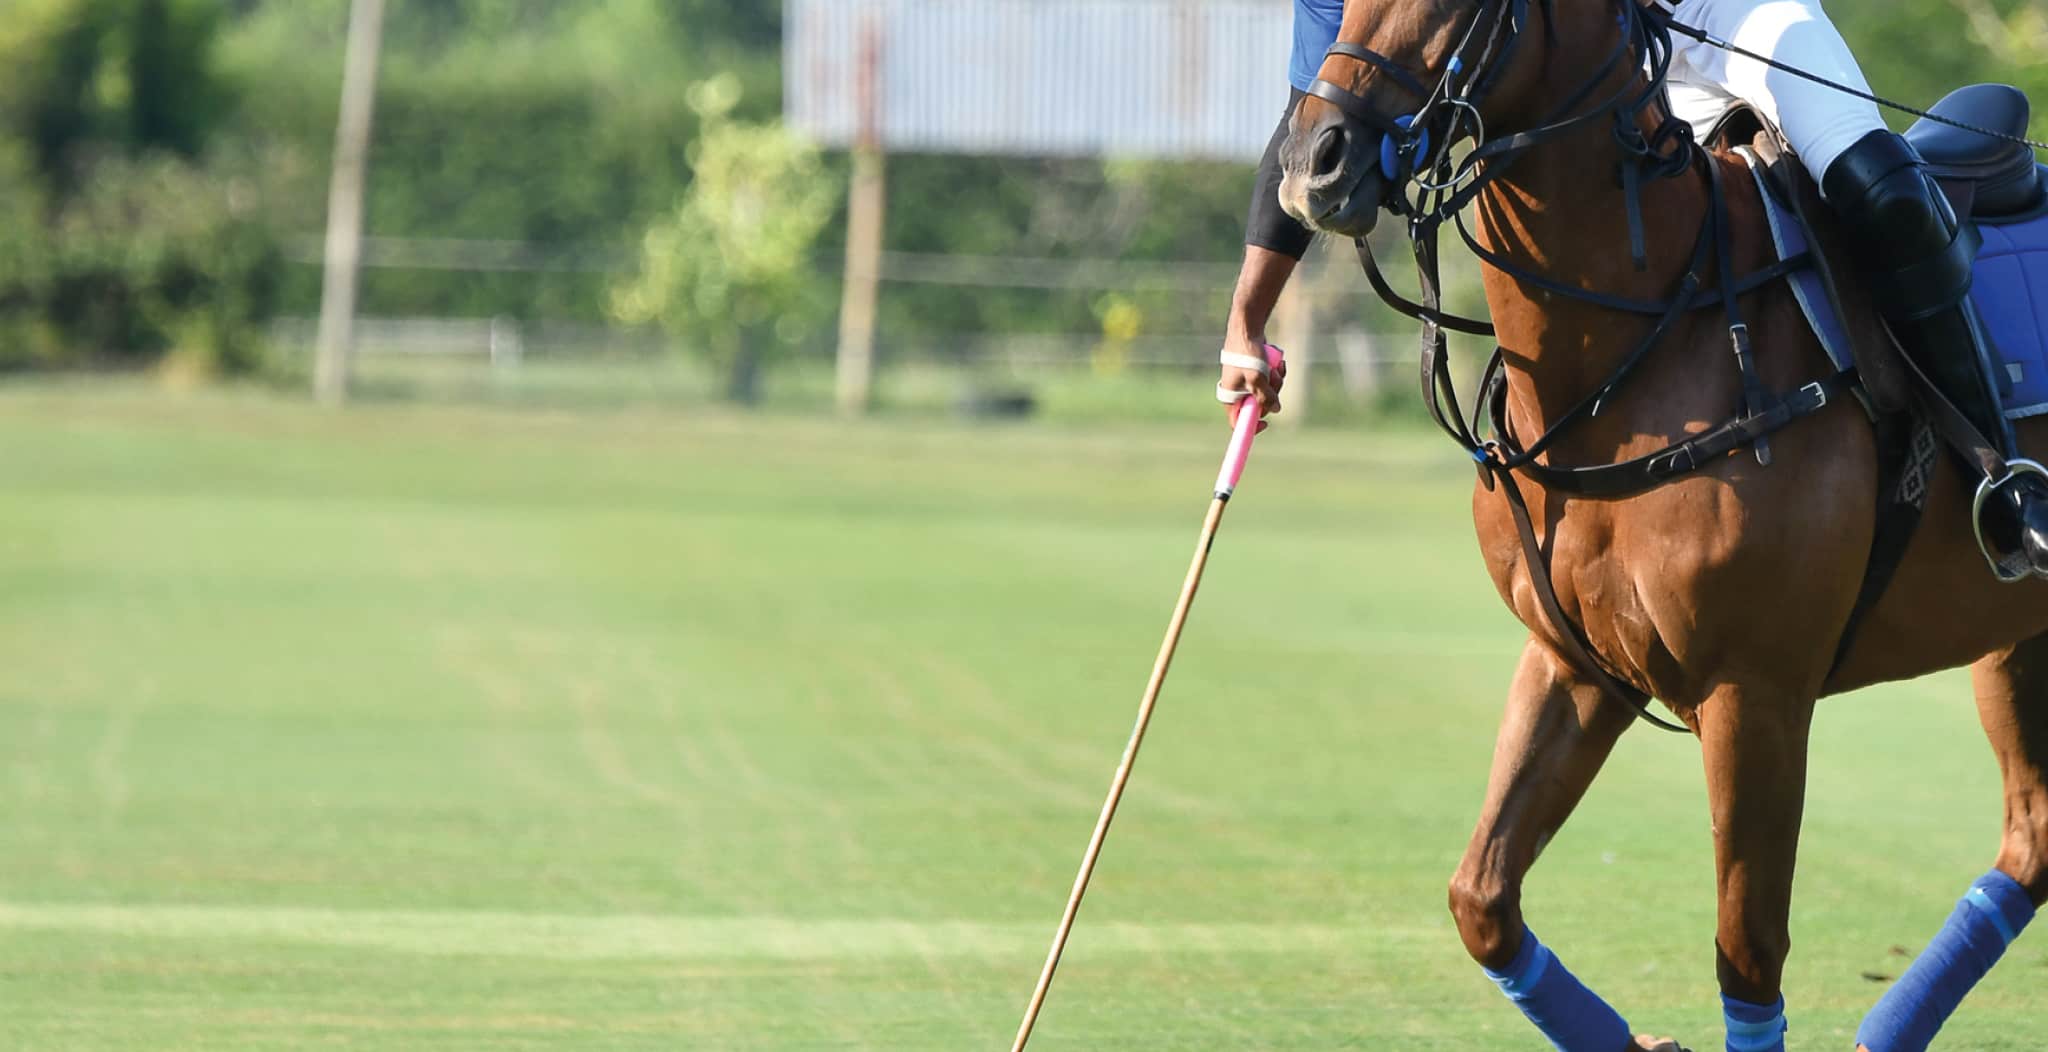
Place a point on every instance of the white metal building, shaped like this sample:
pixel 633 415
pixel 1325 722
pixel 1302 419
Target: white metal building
pixel 1199 79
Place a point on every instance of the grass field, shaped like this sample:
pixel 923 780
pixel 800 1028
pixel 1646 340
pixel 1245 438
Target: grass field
pixel 446 729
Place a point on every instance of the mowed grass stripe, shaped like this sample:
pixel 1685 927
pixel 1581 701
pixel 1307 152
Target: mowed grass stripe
pixel 659 938
pixel 446 730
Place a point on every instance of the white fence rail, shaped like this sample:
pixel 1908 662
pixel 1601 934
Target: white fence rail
pixel 504 342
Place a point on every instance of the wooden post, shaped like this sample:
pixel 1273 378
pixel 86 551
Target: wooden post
pixel 344 255
pixel 864 216
pixel 1294 326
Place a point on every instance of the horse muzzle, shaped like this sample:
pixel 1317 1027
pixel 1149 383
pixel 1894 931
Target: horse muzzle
pixel 1332 179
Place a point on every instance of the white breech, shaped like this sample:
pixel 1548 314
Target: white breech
pixel 1818 121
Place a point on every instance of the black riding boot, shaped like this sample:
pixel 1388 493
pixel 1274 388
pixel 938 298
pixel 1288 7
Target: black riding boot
pixel 1919 258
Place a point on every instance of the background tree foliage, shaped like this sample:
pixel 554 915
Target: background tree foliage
pixel 563 122
pixel 159 160
pixel 126 234
pixel 729 268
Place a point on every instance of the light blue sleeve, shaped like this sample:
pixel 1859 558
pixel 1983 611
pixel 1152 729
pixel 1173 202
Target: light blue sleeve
pixel 1315 29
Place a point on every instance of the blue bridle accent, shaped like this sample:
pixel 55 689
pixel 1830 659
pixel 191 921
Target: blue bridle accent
pixel 1391 148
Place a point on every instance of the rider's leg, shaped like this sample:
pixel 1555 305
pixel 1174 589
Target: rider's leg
pixel 1897 217
pixel 1921 266
pixel 1820 122
pixel 1556 734
pixel 2012 687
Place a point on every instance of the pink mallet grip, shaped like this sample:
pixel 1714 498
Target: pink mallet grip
pixel 1245 429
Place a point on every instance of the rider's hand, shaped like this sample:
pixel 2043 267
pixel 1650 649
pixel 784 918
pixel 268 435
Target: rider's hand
pixel 1264 389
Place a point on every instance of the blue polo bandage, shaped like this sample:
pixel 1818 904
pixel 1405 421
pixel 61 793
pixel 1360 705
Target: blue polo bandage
pixel 1984 923
pixel 1754 1028
pixel 1574 1018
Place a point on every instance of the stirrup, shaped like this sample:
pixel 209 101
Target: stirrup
pixel 2013 567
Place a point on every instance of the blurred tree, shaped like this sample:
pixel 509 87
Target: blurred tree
pixel 124 237
pixel 562 123
pixel 558 123
pixel 728 269
pixel 86 75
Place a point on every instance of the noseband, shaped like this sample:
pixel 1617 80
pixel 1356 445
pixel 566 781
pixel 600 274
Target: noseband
pixel 1405 148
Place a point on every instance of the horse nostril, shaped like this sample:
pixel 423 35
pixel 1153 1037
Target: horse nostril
pixel 1328 157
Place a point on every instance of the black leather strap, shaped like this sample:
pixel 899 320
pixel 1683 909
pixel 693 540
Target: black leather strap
pixel 1908 449
pixel 1645 473
pixel 1356 108
pixel 1954 426
pixel 1409 307
pixel 1731 302
pixel 1578 650
pixel 1385 65
pixel 1701 298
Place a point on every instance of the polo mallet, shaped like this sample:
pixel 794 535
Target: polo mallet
pixel 1245 427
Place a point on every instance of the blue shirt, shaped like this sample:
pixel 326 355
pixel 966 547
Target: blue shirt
pixel 1315 29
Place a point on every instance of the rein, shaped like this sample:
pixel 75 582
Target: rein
pixel 1713 41
pixel 1442 190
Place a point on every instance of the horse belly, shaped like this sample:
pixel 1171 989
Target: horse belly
pixel 1944 609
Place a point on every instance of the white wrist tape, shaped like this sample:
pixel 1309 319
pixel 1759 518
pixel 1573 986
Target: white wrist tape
pixel 1230 397
pixel 1246 361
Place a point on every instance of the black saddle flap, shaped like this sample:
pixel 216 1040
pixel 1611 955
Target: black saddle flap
pixel 2001 172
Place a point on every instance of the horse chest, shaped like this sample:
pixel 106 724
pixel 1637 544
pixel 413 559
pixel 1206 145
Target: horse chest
pixel 1630 583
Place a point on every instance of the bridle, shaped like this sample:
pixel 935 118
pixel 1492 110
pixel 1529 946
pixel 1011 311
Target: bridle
pixel 1469 75
pixel 1450 110
pixel 1431 188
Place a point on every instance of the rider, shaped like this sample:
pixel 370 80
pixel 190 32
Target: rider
pixel 1896 216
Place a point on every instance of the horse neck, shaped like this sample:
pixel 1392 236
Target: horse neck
pixel 1560 212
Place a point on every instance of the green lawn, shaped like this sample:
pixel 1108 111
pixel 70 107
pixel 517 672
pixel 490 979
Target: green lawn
pixel 443 729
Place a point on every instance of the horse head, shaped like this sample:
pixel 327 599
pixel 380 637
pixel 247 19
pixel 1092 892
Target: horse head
pixel 1408 78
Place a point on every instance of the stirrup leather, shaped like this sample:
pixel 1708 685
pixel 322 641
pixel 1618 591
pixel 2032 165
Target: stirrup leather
pixel 2013 567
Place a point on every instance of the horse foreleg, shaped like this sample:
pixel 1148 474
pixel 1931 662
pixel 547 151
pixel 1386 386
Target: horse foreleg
pixel 1753 742
pixel 2012 703
pixel 1556 734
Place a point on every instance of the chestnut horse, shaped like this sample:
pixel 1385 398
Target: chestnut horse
pixel 1724 593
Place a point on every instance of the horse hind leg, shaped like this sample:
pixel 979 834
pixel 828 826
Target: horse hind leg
pixel 2012 703
pixel 1556 734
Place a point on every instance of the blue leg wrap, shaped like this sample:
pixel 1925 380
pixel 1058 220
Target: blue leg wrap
pixel 1574 1018
pixel 1987 919
pixel 1754 1028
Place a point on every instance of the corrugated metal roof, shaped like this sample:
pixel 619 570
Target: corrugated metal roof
pixel 1126 78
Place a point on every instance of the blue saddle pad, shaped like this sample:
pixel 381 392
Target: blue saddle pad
pixel 2011 291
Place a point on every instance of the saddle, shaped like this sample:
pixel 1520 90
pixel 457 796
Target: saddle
pixel 2001 192
pixel 1995 184
pixel 1985 178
